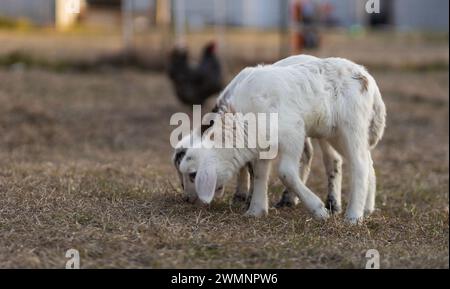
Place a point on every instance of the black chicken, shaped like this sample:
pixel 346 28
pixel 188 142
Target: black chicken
pixel 193 85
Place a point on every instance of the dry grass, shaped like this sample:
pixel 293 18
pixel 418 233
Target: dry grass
pixel 85 164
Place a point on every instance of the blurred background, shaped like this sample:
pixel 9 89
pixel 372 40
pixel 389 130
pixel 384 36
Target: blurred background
pixel 68 32
pixel 182 52
pixel 87 89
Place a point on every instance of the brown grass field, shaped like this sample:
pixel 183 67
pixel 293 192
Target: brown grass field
pixel 85 164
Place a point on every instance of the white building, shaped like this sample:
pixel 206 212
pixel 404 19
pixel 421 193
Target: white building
pixel 59 13
pixel 418 14
pixel 251 13
pixel 401 14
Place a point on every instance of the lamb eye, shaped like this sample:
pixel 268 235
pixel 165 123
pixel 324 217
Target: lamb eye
pixel 192 177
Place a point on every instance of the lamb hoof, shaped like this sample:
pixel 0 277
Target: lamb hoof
pixel 256 212
pixel 239 198
pixel 333 206
pixel 321 213
pixel 368 212
pixel 286 201
pixel 354 220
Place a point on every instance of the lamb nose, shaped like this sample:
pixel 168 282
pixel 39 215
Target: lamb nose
pixel 192 177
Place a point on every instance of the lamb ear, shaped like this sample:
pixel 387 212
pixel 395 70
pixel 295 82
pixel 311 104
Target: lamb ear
pixel 205 181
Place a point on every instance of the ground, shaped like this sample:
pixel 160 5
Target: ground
pixel 85 164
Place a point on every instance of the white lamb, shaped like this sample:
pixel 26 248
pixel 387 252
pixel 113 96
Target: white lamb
pixel 333 100
pixel 332 161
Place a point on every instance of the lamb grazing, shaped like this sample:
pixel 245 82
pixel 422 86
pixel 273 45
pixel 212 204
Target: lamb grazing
pixel 243 188
pixel 332 99
pixel 245 177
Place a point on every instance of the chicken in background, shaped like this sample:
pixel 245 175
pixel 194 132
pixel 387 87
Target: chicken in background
pixel 195 84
